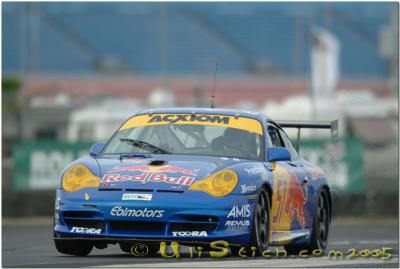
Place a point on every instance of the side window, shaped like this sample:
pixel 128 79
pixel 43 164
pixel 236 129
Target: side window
pixel 288 144
pixel 275 137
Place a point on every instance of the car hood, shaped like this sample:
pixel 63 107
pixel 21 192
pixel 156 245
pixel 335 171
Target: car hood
pixel 158 172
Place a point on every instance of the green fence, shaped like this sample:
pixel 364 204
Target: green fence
pixel 38 164
pixel 342 160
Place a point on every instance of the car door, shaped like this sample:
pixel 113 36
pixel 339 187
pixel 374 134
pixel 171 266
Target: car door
pixel 299 187
pixel 286 199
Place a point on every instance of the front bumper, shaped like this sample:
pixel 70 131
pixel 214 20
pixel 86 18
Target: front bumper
pixel 193 217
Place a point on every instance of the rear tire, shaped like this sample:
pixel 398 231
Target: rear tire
pixel 74 247
pixel 320 231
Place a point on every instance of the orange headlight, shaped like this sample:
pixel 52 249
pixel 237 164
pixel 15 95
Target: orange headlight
pixel 219 184
pixel 78 177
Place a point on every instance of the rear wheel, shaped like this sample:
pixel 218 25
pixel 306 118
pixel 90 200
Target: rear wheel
pixel 73 247
pixel 319 237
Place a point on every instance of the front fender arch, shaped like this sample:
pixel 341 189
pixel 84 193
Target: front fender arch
pixel 268 188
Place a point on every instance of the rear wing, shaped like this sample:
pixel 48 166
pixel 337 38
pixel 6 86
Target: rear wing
pixel 332 125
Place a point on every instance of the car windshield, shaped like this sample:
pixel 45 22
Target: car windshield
pixel 207 135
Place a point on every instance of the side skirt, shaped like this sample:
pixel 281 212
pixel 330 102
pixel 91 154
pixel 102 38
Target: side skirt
pixel 279 238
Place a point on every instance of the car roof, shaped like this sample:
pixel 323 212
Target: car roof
pixel 197 110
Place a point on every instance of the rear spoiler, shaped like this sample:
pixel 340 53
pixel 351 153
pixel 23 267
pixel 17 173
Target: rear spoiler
pixel 332 125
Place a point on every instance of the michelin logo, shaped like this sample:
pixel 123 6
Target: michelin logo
pixel 138 213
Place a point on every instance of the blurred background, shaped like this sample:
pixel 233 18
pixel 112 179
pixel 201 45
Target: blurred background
pixel 73 72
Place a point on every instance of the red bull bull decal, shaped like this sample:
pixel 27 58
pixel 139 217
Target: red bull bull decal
pixel 154 169
pixel 148 177
pixel 288 201
pixel 296 201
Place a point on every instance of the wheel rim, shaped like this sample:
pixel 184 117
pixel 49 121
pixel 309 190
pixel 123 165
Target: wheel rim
pixel 322 220
pixel 262 222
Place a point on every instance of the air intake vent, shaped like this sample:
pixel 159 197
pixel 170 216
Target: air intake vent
pixel 158 163
pixel 173 191
pixel 110 189
pixel 140 190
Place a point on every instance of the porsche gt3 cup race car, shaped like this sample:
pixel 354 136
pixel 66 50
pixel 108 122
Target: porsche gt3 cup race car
pixel 194 176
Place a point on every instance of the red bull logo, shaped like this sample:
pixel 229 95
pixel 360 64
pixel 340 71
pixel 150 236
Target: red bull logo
pixel 154 169
pixel 148 177
pixel 296 201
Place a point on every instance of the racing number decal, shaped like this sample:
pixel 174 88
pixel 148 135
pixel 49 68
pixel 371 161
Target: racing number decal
pixel 281 190
pixel 280 220
pixel 288 201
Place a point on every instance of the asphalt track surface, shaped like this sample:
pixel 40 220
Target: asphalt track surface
pixel 31 245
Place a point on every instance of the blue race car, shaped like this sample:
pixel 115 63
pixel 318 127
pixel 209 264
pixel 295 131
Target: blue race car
pixel 194 176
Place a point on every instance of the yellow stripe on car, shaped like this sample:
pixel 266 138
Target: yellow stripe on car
pixel 243 123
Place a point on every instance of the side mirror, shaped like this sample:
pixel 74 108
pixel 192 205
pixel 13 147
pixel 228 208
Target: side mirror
pixel 95 149
pixel 278 154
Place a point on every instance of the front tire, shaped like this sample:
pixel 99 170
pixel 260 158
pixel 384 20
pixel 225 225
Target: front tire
pixel 260 228
pixel 319 236
pixel 73 247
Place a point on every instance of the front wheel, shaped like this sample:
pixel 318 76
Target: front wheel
pixel 319 237
pixel 73 247
pixel 260 229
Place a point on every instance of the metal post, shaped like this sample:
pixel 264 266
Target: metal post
pixel 298 140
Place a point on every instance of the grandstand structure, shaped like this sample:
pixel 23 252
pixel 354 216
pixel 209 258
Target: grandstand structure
pixel 69 55
pixel 176 39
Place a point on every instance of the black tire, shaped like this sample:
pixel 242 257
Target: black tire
pixel 151 251
pixel 320 231
pixel 74 247
pixel 260 224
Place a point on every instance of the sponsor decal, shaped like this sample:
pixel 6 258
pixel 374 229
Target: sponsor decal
pixel 179 118
pixel 237 225
pixel 137 196
pixel 243 123
pixel 255 170
pixel 85 230
pixel 190 233
pixel 86 197
pixel 247 188
pixel 148 177
pixel 120 211
pixel 240 211
pixel 297 198
pixel 154 169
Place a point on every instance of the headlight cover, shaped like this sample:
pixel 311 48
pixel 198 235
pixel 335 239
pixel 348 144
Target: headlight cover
pixel 219 184
pixel 78 177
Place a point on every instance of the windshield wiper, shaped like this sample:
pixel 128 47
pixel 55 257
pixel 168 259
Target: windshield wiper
pixel 144 145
